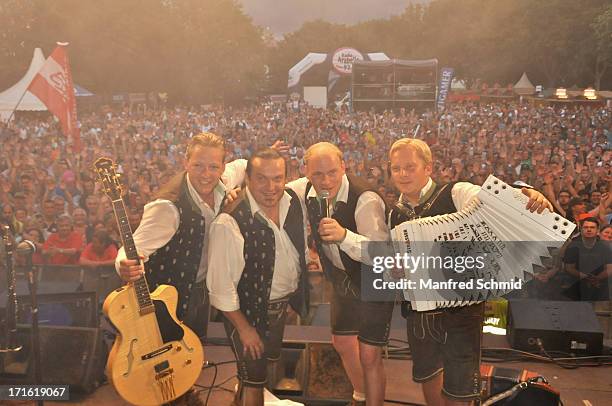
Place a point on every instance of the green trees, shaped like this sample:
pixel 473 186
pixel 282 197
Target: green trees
pixel 602 44
pixel 558 42
pixel 197 51
pixel 201 51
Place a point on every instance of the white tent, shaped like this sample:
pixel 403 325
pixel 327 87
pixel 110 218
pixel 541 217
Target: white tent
pixel 10 97
pixel 80 91
pixel 312 59
pixel 524 86
pixel 458 84
pixel 295 73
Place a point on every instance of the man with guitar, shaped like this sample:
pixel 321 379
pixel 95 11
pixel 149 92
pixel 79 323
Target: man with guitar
pixel 172 237
pixel 257 266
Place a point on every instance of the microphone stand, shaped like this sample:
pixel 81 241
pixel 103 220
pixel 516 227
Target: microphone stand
pixel 26 249
pixel 11 301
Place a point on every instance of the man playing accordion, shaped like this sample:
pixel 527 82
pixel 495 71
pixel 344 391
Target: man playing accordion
pixel 445 343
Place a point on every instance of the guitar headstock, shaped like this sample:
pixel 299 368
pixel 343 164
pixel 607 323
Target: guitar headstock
pixel 108 177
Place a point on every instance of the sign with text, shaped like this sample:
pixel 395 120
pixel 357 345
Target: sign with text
pixel 446 77
pixel 343 59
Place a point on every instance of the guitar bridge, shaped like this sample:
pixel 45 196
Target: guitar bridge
pixel 164 374
pixel 165 382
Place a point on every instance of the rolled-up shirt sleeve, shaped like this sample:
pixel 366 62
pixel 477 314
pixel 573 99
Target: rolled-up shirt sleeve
pixel 158 225
pixel 234 173
pixel 463 193
pixel 225 263
pixel 371 226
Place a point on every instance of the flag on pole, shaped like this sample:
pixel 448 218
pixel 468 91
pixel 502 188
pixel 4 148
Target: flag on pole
pixel 53 86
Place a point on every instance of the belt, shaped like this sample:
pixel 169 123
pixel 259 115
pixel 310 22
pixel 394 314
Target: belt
pixel 278 304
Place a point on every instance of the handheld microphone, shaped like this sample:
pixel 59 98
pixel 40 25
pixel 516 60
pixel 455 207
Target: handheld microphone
pixel 324 203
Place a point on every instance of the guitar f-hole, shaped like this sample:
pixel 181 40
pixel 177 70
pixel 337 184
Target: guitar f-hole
pixel 130 357
pixel 189 349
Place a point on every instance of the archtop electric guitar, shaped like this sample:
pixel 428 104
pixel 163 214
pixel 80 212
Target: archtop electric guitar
pixel 155 358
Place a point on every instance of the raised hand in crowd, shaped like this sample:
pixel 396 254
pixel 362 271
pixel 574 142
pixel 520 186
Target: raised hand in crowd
pixel 282 148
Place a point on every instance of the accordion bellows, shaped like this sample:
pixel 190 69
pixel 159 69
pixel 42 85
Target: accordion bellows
pixel 495 233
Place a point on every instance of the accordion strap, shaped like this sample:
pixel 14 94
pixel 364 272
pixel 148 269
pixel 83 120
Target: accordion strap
pixel 408 213
pixel 431 201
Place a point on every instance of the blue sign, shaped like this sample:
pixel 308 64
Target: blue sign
pixel 446 77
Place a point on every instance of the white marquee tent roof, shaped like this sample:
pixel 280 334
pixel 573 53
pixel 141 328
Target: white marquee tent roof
pixel 10 97
pixel 524 85
pixel 458 84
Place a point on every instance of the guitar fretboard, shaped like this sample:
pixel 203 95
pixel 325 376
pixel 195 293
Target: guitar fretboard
pixel 140 286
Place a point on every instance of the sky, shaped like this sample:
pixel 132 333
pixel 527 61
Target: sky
pixel 283 16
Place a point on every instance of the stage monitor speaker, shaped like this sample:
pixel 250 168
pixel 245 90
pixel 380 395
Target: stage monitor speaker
pixel 569 327
pixel 310 373
pixel 74 309
pixel 72 356
pixel 103 280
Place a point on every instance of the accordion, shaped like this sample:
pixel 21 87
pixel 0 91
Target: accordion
pixel 486 250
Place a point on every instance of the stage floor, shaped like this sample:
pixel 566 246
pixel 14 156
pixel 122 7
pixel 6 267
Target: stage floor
pixel 584 386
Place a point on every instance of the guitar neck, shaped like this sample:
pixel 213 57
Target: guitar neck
pixel 140 286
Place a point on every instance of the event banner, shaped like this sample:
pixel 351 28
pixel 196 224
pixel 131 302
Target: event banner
pixel 446 76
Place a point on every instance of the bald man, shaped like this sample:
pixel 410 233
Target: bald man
pixel 356 216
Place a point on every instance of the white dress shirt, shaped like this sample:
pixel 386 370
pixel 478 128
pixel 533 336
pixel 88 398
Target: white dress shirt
pixel 226 257
pixel 160 219
pixel 462 193
pixel 369 218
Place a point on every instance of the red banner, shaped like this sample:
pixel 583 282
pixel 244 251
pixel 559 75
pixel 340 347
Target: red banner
pixel 53 86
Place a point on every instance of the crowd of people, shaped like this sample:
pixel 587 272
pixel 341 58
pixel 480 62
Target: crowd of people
pixel 49 195
pixel 176 159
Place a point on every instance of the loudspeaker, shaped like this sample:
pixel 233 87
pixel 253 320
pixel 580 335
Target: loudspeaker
pixel 311 373
pixel 74 309
pixel 72 356
pixel 102 280
pixel 570 327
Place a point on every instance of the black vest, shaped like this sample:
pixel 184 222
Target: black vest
pixel 347 281
pixel 177 262
pixel 259 252
pixel 440 202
